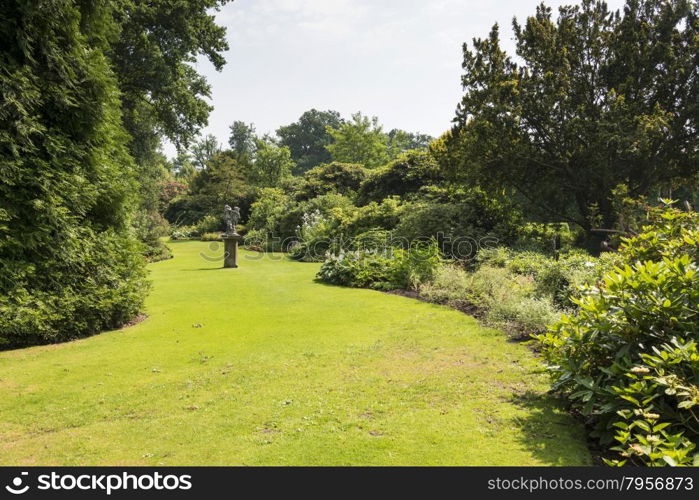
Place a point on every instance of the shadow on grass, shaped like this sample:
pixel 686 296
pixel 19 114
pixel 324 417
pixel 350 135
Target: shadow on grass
pixel 549 432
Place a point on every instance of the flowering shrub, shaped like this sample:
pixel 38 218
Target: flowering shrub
pixel 628 360
pixel 383 269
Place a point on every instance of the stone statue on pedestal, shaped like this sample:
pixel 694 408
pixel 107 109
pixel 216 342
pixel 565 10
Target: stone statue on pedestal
pixel 231 216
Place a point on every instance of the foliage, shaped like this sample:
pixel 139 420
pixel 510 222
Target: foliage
pixel 210 236
pixel 628 359
pixel 308 138
pixel 342 178
pixel 271 166
pixel 70 264
pixel 561 279
pixel 410 267
pixel 400 141
pixel 406 174
pixel 360 140
pixel 546 238
pixel 204 151
pixel 383 269
pixel 503 299
pixel 384 215
pixel 588 108
pixel 152 54
pixel 478 221
pixel 358 268
pixel 315 237
pixel 243 141
pixel 221 182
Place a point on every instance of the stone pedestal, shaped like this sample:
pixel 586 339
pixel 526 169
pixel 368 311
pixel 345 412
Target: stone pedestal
pixel 230 248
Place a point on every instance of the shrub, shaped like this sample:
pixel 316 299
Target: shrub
pixel 561 279
pixel 210 237
pixel 407 174
pixel 461 229
pixel 209 224
pixel 341 178
pixel 358 268
pixel 315 237
pixel 183 233
pixel 628 360
pixel 384 215
pixel 503 299
pixel 386 270
pixel 544 237
pixel 100 284
pixel 374 239
pixel 415 265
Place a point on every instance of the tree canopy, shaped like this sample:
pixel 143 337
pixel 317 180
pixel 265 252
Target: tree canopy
pixel 599 99
pixel 308 138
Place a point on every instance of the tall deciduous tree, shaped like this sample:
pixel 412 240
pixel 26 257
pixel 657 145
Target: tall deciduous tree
pixel 204 150
pixel 360 140
pixel 243 141
pixel 600 99
pixel 272 164
pixel 308 137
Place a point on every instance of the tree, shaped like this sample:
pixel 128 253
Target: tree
pixel 272 164
pixel 204 150
pixel 400 141
pixel 600 99
pixel 243 140
pixel 406 174
pixel 70 266
pixel 360 140
pixel 308 137
pixel 151 50
pixel 341 178
pixel 158 41
pixel 223 181
pixel 182 167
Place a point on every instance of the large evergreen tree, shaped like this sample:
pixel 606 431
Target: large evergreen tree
pixel 70 266
pixel 599 99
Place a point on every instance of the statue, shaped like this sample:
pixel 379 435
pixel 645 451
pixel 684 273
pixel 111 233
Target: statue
pixel 231 216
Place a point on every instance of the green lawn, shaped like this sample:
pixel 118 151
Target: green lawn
pixel 282 370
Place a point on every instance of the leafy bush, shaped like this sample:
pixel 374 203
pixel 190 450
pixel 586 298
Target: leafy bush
pixel 628 359
pixel 99 284
pixel 407 174
pixel 183 233
pixel 461 229
pixel 561 279
pixel 315 236
pixel 374 239
pixel 415 265
pixel 544 237
pixel 210 237
pixel 209 224
pixel 358 268
pixel 384 215
pixel 341 178
pixel 386 270
pixel 503 299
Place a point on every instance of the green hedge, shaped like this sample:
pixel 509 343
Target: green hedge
pixel 628 359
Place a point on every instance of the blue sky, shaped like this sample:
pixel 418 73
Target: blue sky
pixel 399 60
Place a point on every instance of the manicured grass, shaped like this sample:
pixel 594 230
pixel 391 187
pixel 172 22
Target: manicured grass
pixel 282 370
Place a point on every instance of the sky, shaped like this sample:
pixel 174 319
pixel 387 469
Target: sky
pixel 399 60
